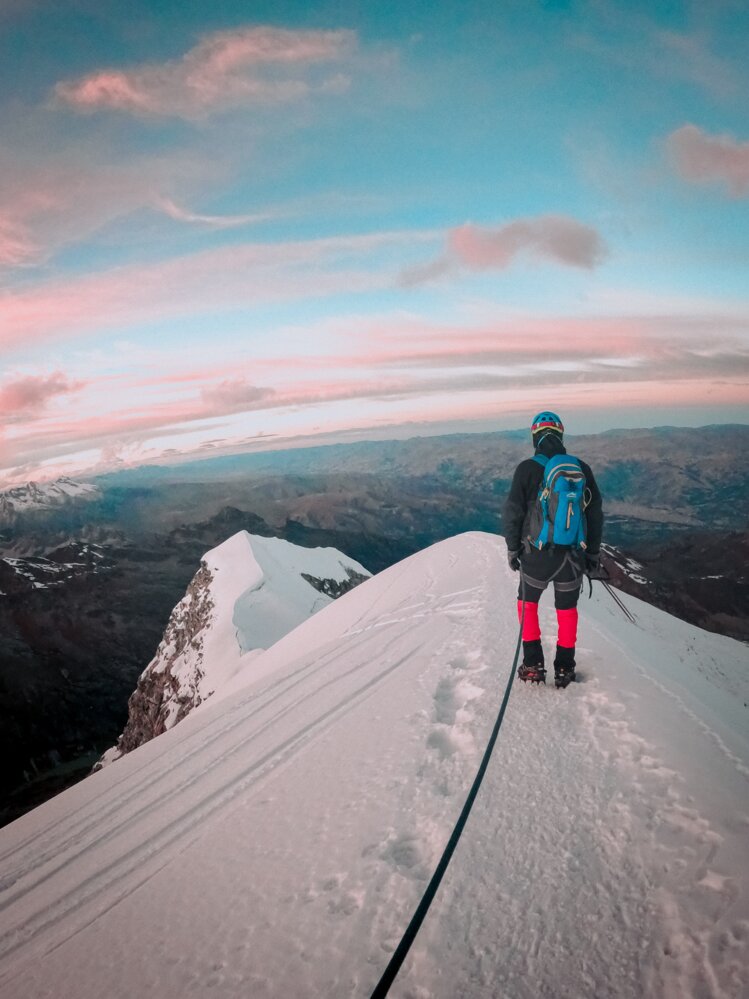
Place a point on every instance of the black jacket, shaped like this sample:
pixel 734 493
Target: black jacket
pixel 524 490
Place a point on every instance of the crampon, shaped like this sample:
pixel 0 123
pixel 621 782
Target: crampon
pixel 562 679
pixel 536 674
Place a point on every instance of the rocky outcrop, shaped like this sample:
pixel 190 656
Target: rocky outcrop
pixel 334 587
pixel 169 686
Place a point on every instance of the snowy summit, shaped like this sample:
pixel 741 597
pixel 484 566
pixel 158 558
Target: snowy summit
pixel 276 842
pixel 248 593
pixel 44 496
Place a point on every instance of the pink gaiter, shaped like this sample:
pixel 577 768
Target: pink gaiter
pixel 567 625
pixel 531 627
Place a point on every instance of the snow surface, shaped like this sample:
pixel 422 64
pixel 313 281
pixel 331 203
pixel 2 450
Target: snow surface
pixel 280 598
pixel 276 842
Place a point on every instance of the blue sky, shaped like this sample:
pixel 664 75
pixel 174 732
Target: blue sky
pixel 232 226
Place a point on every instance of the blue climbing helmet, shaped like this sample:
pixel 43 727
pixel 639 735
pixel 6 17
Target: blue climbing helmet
pixel 546 422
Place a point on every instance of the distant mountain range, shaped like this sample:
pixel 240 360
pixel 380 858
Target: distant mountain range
pixel 90 572
pixel 34 498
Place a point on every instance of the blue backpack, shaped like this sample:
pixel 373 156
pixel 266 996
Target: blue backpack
pixel 558 516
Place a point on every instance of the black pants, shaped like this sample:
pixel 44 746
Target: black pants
pixel 538 569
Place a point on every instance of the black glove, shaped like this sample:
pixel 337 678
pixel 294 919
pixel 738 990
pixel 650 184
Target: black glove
pixel 513 560
pixel 592 563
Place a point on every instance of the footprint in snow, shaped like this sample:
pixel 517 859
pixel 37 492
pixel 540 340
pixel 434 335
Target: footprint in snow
pixel 450 740
pixel 470 661
pixel 446 701
pixel 442 740
pixel 346 903
pixel 451 696
pixel 407 854
pixel 338 901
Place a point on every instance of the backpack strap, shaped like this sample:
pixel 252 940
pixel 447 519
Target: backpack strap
pixel 541 459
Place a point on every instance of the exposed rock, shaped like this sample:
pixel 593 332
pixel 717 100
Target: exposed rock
pixel 333 587
pixel 163 696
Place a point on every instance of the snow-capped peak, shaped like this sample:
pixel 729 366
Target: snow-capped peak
pixel 248 593
pixel 45 495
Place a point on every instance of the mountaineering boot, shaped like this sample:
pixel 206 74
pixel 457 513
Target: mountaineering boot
pixel 564 666
pixel 532 667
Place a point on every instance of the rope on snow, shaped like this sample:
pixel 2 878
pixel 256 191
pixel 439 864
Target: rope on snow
pixel 399 955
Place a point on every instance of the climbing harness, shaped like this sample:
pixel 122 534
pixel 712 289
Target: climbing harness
pixel 541 584
pixel 399 955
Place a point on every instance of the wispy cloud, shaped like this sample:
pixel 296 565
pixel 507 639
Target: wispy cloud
pixel 621 36
pixel 627 360
pixel 702 158
pixel 17 246
pixel 247 66
pixel 690 55
pixel 215 279
pixel 25 398
pixel 179 214
pixel 556 238
pixel 235 395
pixel 54 200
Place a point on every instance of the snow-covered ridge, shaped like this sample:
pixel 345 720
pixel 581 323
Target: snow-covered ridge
pixel 47 495
pixel 248 593
pixel 277 841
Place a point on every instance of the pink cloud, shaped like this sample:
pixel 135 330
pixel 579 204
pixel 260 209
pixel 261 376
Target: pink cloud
pixel 256 65
pixel 53 201
pixel 616 361
pixel 17 246
pixel 127 435
pixel 553 237
pixel 700 158
pixel 222 278
pixel 25 397
pixel 558 238
pixel 567 346
pixel 235 394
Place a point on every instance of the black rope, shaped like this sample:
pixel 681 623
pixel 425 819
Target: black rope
pixel 619 602
pixel 399 955
pixel 602 575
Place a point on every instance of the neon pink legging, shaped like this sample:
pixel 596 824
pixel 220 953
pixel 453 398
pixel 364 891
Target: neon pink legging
pixel 566 624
